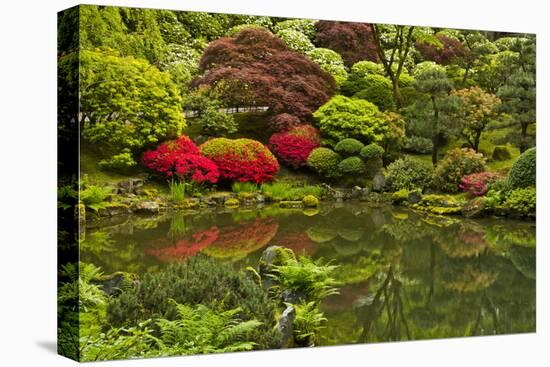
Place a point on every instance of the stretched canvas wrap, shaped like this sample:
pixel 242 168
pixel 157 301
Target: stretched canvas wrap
pixel 234 183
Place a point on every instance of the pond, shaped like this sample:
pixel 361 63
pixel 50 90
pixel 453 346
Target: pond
pixel 403 276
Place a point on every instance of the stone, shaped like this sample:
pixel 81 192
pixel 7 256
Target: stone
pixel 474 208
pixel 147 207
pixel 260 199
pixel 232 203
pixel 358 192
pixel 117 209
pixel 220 198
pixel 414 197
pixel 285 326
pixel 130 185
pixel 273 255
pixel 378 182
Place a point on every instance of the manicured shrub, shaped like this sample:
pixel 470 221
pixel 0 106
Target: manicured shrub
pixel 522 201
pixel 294 146
pixel 305 26
pixel 501 153
pixel 181 158
pixel 457 164
pixel 477 183
pixel 408 173
pixel 372 151
pixel 296 40
pixel 243 160
pixel 352 166
pixel 324 161
pixel 376 89
pixel 363 68
pixel 284 122
pixel 524 171
pixel 198 280
pixel 329 61
pixel 344 117
pixel 349 147
pixel 447 51
pixel 418 144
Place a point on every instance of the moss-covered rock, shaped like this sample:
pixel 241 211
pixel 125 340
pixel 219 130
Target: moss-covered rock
pixel 474 208
pixel 400 197
pixel 440 204
pixel 310 201
pixel 232 203
pixel 290 204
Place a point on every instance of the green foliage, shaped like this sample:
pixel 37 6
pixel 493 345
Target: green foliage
pixel 305 26
pixel 177 190
pixel 372 151
pixel 93 197
pixel 198 280
pixel 249 187
pixel 343 117
pixel 281 190
pixel 352 166
pixel 363 68
pixel 126 104
pixel 311 279
pixel 307 323
pixel 296 40
pixel 418 144
pixel 348 147
pixel 457 164
pixel 522 201
pixel 329 61
pixel 408 173
pixel 501 153
pixel 206 103
pixel 77 292
pixel 524 171
pixel 120 343
pixel 201 330
pixel 374 88
pixel 324 161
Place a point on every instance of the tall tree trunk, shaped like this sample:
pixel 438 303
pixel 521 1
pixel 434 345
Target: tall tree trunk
pixel 523 142
pixel 396 91
pixel 476 140
pixel 435 132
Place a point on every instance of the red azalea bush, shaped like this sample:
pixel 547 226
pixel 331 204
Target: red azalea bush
pixel 181 157
pixel 294 146
pixel 242 160
pixel 477 183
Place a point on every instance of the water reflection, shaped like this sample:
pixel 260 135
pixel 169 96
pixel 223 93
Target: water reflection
pixel 403 276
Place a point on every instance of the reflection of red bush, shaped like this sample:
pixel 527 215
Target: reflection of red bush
pixel 293 147
pixel 243 238
pixel 299 242
pixel 183 249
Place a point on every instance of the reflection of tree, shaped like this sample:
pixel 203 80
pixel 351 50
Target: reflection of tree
pixel 238 240
pixel 299 242
pixel 183 248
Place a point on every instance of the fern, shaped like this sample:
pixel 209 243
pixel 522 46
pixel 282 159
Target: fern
pixel 201 330
pixel 303 275
pixel 307 323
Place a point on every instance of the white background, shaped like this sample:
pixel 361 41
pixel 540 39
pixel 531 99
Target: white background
pixel 28 183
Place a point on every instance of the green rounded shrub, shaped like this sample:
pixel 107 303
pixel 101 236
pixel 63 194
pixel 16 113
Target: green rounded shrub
pixel 457 163
pixel 376 89
pixel 524 171
pixel 372 151
pixel 199 280
pixel 344 117
pixel 408 173
pixel 352 166
pixel 522 201
pixel 324 161
pixel 501 153
pixel 349 147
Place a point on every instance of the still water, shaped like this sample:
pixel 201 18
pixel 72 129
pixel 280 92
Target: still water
pixel 403 276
